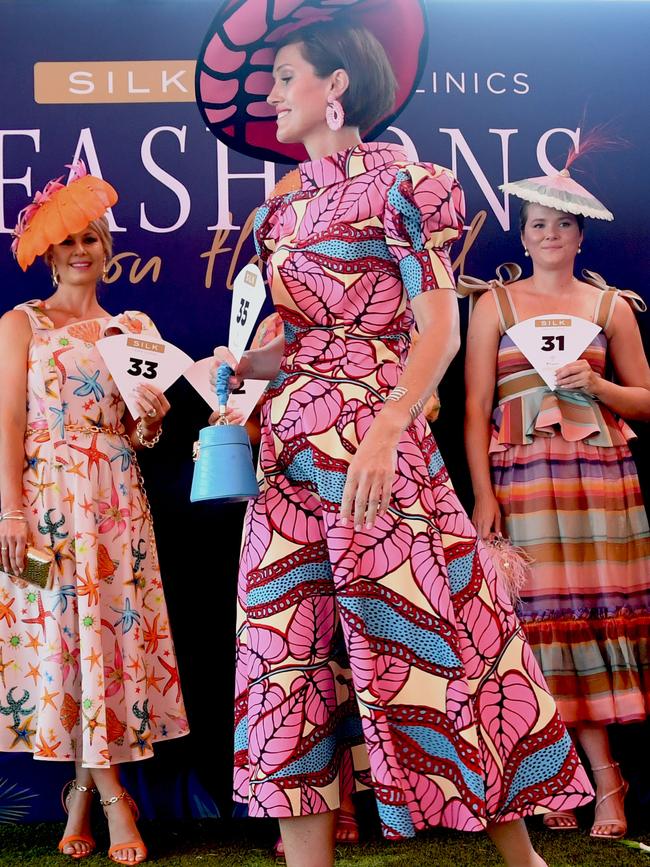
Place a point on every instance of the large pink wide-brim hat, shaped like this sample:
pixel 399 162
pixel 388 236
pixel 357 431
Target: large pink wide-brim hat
pixel 234 68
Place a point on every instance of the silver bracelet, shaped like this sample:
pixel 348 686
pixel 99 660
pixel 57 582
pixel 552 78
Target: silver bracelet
pixel 400 392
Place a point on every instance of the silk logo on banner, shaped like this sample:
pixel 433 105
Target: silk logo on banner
pixel 550 342
pixel 57 82
pixel 134 360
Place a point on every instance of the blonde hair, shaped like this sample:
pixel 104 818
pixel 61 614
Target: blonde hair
pixel 100 227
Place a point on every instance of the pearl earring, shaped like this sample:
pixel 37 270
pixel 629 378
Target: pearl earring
pixel 579 249
pixel 526 253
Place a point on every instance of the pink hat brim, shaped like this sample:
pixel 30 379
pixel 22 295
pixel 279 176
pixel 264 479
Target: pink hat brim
pixel 233 72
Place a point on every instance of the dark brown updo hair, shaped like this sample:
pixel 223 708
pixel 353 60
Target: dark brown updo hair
pixel 330 46
pixel 523 218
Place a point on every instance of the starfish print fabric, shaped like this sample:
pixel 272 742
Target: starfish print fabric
pixel 87 670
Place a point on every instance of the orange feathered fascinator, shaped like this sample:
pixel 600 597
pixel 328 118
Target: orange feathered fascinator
pixel 58 211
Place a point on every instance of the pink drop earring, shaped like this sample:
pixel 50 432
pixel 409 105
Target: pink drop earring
pixel 334 114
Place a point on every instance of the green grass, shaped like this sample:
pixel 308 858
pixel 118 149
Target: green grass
pixel 248 844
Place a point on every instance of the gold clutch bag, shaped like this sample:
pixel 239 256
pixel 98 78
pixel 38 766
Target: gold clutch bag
pixel 38 568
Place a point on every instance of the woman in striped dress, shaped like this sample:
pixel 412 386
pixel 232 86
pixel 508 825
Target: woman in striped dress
pixel 552 470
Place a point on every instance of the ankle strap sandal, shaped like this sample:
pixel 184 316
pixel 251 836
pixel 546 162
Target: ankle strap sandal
pixel 620 824
pixel 122 795
pixel 137 845
pixel 69 788
pixel 87 840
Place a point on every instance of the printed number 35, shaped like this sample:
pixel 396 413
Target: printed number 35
pixel 242 315
pixel 150 371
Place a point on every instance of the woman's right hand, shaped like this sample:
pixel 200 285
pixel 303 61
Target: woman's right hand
pixel 486 516
pixel 14 538
pixel 243 368
pixel 232 417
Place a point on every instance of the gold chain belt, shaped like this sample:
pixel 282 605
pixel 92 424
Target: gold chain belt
pixel 79 428
pixel 93 428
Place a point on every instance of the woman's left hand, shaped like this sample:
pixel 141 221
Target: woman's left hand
pixel 152 405
pixel 369 480
pixel 578 374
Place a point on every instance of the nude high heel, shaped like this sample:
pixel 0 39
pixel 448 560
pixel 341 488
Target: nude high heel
pixel 622 823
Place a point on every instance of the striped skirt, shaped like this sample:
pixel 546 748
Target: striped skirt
pixel 577 509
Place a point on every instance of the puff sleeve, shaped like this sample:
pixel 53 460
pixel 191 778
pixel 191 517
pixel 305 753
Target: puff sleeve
pixel 131 322
pixel 424 215
pixel 265 227
pixel 265 222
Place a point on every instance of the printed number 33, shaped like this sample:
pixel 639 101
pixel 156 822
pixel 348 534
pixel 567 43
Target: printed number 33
pixel 150 371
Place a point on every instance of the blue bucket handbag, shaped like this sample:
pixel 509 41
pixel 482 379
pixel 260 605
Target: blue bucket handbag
pixel 223 468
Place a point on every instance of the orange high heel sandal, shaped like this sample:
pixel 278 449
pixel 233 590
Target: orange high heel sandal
pixel 138 845
pixel 621 823
pixel 66 794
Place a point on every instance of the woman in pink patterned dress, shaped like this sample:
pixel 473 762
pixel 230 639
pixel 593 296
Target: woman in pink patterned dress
pixel 376 647
pixel 88 670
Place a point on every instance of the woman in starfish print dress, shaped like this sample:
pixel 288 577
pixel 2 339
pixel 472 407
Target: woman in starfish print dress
pixel 88 670
pixel 376 646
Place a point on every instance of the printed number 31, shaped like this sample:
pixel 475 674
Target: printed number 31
pixel 550 342
pixel 243 311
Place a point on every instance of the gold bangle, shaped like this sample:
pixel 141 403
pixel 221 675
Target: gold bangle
pixel 415 410
pixel 148 444
pixel 13 515
pixel 398 393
